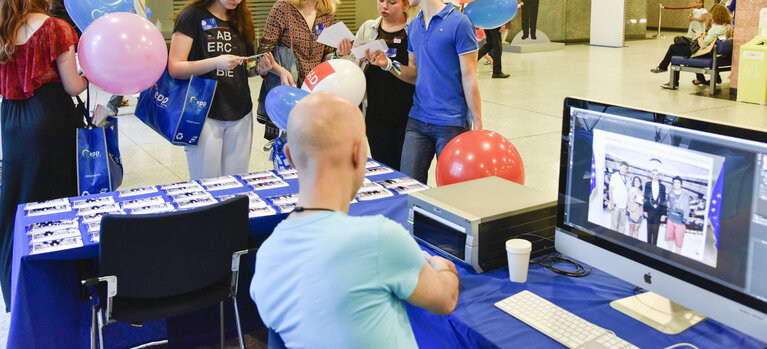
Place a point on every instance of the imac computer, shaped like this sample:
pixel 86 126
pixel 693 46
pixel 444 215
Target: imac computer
pixel 672 204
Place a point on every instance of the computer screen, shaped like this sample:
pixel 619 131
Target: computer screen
pixel 680 198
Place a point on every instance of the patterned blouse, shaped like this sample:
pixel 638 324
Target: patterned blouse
pixel 285 26
pixel 34 62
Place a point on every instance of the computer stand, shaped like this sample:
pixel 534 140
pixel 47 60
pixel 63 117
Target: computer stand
pixel 658 312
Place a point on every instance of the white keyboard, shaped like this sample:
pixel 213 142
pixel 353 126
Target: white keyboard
pixel 559 324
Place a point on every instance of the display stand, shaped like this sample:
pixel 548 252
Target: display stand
pixel 658 312
pixel 608 23
pixel 540 44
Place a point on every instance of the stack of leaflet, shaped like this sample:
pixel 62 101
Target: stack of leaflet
pixel 83 215
pixel 52 235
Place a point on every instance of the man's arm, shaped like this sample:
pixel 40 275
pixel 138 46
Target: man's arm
pixel 437 288
pixel 471 87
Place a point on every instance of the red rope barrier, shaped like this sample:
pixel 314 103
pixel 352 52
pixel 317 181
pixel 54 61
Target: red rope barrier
pixel 677 8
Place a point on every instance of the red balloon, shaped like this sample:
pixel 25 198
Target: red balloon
pixel 478 154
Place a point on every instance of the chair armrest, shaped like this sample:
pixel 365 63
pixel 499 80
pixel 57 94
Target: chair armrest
pixel 236 257
pixel 111 281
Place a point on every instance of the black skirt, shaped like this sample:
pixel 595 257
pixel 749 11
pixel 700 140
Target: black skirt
pixel 38 159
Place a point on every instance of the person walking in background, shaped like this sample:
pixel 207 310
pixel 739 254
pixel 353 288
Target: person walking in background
pixel 678 213
pixel 389 99
pixel 210 39
pixel 38 77
pixel 444 71
pixel 493 47
pixel 529 18
pixel 618 198
pixel 634 207
pixel 655 206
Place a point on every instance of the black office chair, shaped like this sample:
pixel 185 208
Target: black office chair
pixel 169 264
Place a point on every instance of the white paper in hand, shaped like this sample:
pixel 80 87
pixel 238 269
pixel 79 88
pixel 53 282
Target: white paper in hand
pixel 372 46
pixel 333 35
pixel 100 115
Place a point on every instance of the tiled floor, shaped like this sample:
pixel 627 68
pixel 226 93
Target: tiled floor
pixel 525 108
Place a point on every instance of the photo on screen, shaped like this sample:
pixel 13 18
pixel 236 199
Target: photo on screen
pixel 625 199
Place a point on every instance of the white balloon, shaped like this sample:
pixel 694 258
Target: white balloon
pixel 337 75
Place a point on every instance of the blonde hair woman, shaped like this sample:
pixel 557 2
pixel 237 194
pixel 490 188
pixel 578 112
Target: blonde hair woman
pixel 296 24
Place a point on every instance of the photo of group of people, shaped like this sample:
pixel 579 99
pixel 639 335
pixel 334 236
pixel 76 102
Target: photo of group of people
pixel 655 193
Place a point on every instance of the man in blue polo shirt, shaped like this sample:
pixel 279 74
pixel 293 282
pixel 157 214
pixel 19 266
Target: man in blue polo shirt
pixel 442 49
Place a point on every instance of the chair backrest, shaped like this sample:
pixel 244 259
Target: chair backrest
pixel 724 47
pixel 167 254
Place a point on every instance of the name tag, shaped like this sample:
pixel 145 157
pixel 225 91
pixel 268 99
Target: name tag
pixel 208 24
pixel 397 40
pixel 318 28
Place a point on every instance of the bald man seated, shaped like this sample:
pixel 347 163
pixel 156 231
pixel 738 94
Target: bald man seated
pixel 325 279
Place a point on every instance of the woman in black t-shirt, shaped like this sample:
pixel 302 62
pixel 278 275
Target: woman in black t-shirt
pixel 389 99
pixel 211 38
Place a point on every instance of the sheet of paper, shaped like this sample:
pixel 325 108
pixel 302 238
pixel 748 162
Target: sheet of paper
pixel 373 46
pixel 333 35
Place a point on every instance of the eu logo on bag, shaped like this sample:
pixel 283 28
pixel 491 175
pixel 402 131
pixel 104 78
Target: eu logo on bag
pixel 198 103
pixel 93 155
pixel 162 101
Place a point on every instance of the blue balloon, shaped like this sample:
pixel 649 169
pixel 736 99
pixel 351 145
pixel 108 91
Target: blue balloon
pixel 148 12
pixel 489 14
pixel 83 12
pixel 280 101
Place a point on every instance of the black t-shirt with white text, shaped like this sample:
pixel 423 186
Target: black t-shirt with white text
pixel 212 37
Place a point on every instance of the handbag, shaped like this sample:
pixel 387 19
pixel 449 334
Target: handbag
pixel 177 109
pixel 285 57
pixel 99 168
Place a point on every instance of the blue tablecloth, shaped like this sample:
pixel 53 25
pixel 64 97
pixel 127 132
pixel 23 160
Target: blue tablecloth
pixel 477 323
pixel 46 311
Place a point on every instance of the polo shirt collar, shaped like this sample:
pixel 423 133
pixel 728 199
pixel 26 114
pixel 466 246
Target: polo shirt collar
pixel 445 11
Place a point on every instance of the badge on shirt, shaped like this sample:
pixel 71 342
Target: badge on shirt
pixel 397 40
pixel 318 28
pixel 208 24
pixel 391 52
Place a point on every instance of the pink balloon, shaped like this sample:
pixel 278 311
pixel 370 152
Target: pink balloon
pixel 122 53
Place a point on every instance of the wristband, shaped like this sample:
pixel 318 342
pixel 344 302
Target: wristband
pixel 389 64
pixel 397 67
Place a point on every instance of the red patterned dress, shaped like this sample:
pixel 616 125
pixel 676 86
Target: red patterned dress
pixel 38 124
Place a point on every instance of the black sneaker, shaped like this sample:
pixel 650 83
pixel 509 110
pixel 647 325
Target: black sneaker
pixel 658 70
pixel 500 75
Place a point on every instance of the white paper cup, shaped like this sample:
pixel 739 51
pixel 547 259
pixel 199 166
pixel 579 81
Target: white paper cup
pixel 518 253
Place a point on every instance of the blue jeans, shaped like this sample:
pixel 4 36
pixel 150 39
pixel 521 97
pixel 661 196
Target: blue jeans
pixel 422 142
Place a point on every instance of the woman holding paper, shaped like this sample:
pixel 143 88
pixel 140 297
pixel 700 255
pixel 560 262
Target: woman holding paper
pixel 389 99
pixel 296 24
pixel 211 39
pixel 38 76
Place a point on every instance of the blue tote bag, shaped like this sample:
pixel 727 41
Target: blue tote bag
pixel 99 169
pixel 177 109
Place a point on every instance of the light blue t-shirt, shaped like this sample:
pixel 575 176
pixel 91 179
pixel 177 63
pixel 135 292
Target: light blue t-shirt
pixel 329 280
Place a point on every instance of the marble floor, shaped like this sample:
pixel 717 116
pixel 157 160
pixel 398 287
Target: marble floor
pixel 526 108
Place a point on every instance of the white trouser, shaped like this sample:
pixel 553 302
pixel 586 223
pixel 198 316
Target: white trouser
pixel 223 148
